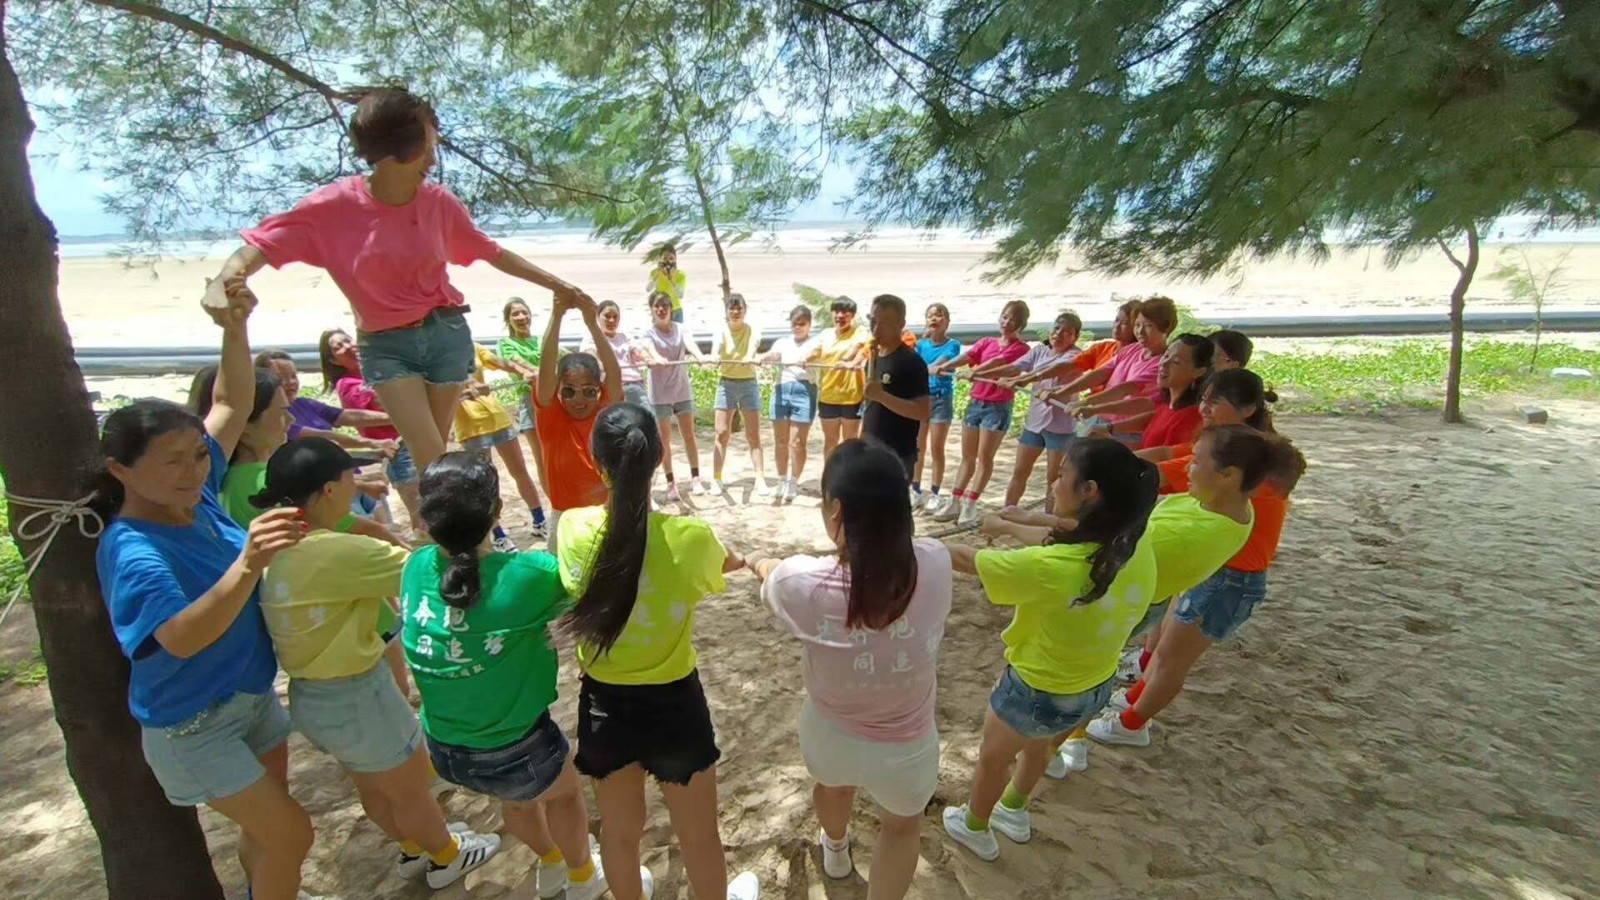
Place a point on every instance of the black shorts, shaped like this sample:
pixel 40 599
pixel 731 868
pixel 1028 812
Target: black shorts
pixel 838 410
pixel 665 728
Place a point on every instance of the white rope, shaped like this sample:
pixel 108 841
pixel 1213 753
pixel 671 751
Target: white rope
pixel 43 525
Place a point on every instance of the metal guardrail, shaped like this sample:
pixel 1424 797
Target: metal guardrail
pixel 104 361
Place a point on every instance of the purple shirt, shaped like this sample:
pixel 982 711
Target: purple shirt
pixel 313 414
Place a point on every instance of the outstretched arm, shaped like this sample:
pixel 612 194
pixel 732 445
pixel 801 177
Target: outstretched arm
pixel 244 262
pixel 517 267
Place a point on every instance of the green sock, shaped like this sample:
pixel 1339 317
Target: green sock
pixel 976 824
pixel 1013 799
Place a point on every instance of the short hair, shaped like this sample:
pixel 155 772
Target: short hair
pixel 890 301
pixel 842 304
pixel 391 122
pixel 801 313
pixel 734 299
pixel 1162 312
pixel 1071 320
pixel 1236 344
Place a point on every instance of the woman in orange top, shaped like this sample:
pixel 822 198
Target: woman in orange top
pixel 1213 611
pixel 569 394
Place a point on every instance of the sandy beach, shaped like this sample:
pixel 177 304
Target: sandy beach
pixel 108 304
pixel 1402 719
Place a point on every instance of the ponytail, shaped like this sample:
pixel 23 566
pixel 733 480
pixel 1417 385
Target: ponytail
pixel 460 503
pixel 626 447
pixel 1259 456
pixel 1116 518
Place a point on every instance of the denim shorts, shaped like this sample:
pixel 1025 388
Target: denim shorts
pixel 1222 602
pixel 850 411
pixel 483 443
pixel 668 410
pixel 635 392
pixel 517 773
pixel 944 409
pixel 402 469
pixel 794 401
pixel 527 416
pixel 739 393
pixel 1045 440
pixel 438 349
pixel 1036 715
pixel 216 754
pixel 363 721
pixel 665 728
pixel 988 415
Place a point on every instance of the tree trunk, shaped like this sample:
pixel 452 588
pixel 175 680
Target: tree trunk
pixel 1458 305
pixel 716 239
pixel 150 849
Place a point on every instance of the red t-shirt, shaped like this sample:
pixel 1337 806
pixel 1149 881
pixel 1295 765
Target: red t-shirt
pixel 569 468
pixel 1171 426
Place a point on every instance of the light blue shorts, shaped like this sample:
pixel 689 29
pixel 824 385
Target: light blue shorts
pixel 1036 714
pixel 668 410
pixel 739 393
pixel 794 401
pixel 216 754
pixel 438 349
pixel 1045 440
pixel 635 392
pixel 402 469
pixel 1223 602
pixel 362 721
pixel 483 443
pixel 944 409
pixel 527 415
pixel 988 415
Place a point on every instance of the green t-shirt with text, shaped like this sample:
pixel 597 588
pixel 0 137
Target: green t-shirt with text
pixel 486 673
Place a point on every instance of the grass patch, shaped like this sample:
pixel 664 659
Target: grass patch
pixel 11 568
pixel 28 672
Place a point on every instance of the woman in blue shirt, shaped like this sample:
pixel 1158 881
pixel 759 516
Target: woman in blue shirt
pixel 936 346
pixel 180 580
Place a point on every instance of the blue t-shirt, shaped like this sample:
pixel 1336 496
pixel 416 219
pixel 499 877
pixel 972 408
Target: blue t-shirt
pixel 305 412
pixel 933 354
pixel 150 573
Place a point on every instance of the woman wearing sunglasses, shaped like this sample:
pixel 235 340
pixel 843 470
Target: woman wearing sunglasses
pixel 569 394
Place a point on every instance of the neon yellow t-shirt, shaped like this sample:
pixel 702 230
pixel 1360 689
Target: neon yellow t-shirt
pixel 673 287
pixel 839 386
pixel 682 564
pixel 1056 646
pixel 1190 543
pixel 737 348
pixel 480 415
pixel 322 599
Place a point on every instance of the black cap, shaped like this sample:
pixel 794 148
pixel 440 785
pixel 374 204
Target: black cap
pixel 299 469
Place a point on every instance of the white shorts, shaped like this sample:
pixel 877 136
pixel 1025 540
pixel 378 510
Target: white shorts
pixel 901 778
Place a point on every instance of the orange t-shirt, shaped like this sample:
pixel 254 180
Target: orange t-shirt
pixel 1271 507
pixel 572 479
pixel 1094 356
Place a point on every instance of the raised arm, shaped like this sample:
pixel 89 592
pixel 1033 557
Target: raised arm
pixel 233 396
pixel 545 389
pixel 238 267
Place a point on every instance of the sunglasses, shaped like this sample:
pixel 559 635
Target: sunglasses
pixel 588 393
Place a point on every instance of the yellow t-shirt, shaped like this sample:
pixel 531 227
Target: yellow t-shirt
pixel 673 287
pixel 739 348
pixel 838 386
pixel 322 598
pixel 1056 646
pixel 682 564
pixel 1190 543
pixel 480 415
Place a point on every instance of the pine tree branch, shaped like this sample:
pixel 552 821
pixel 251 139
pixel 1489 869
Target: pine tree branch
pixel 860 24
pixel 1460 266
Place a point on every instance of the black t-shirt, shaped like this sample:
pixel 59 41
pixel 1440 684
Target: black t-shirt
pixel 903 374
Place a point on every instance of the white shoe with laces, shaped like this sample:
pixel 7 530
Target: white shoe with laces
pixel 1110 730
pixel 589 890
pixel 1128 670
pixel 697 487
pixel 969 514
pixel 1015 824
pixel 982 843
pixel 935 502
pixel 947 510
pixel 476 849
pixel 1119 701
pixel 835 858
pixel 504 544
pixel 1074 757
pixel 411 866
pixel 745 887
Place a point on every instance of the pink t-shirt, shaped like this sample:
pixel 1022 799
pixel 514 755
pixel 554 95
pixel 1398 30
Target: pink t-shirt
pixel 878 685
pixel 1131 364
pixel 354 394
pixel 989 349
pixel 388 260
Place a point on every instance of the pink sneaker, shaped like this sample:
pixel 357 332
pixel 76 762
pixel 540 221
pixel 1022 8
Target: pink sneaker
pixel 672 492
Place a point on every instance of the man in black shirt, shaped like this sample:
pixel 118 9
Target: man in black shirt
pixel 898 401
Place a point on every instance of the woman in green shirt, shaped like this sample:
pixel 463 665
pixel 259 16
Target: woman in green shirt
pixel 475 637
pixel 520 350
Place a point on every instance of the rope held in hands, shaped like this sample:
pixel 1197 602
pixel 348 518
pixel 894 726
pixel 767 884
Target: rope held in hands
pixel 43 524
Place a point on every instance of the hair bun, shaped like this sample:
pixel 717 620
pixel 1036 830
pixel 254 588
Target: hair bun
pixel 1269 395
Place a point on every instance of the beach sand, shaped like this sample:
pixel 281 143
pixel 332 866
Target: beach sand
pixel 1405 718
pixel 108 304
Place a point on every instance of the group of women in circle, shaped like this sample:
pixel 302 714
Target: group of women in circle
pixel 234 549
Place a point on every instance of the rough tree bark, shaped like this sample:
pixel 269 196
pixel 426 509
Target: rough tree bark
pixel 1458 304
pixel 150 849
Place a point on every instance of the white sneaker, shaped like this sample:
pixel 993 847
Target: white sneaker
pixel 672 492
pixel 504 544
pixel 969 514
pixel 1015 824
pixel 697 487
pixel 1128 670
pixel 1074 757
pixel 835 863
pixel 982 843
pixel 745 887
pixel 1119 700
pixel 590 889
pixel 792 492
pixel 411 866
pixel 934 502
pixel 718 488
pixel 540 530
pixel 947 511
pixel 915 498
pixel 1110 730
pixel 476 849
pixel 648 882
pixel 760 487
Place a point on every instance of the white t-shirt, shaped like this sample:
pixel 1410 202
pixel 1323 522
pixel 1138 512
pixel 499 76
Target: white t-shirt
pixel 1042 417
pixel 792 356
pixel 627 357
pixel 878 685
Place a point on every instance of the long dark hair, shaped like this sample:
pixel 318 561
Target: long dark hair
pixel 1241 388
pixel 125 438
pixel 866 480
pixel 626 446
pixel 332 371
pixel 1259 456
pixel 1200 352
pixel 266 358
pixel 460 503
pixel 202 392
pixel 1236 344
pixel 1116 519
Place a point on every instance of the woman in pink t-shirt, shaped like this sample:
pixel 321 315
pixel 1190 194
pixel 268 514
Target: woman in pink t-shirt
pixel 988 413
pixel 870 620
pixel 385 239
